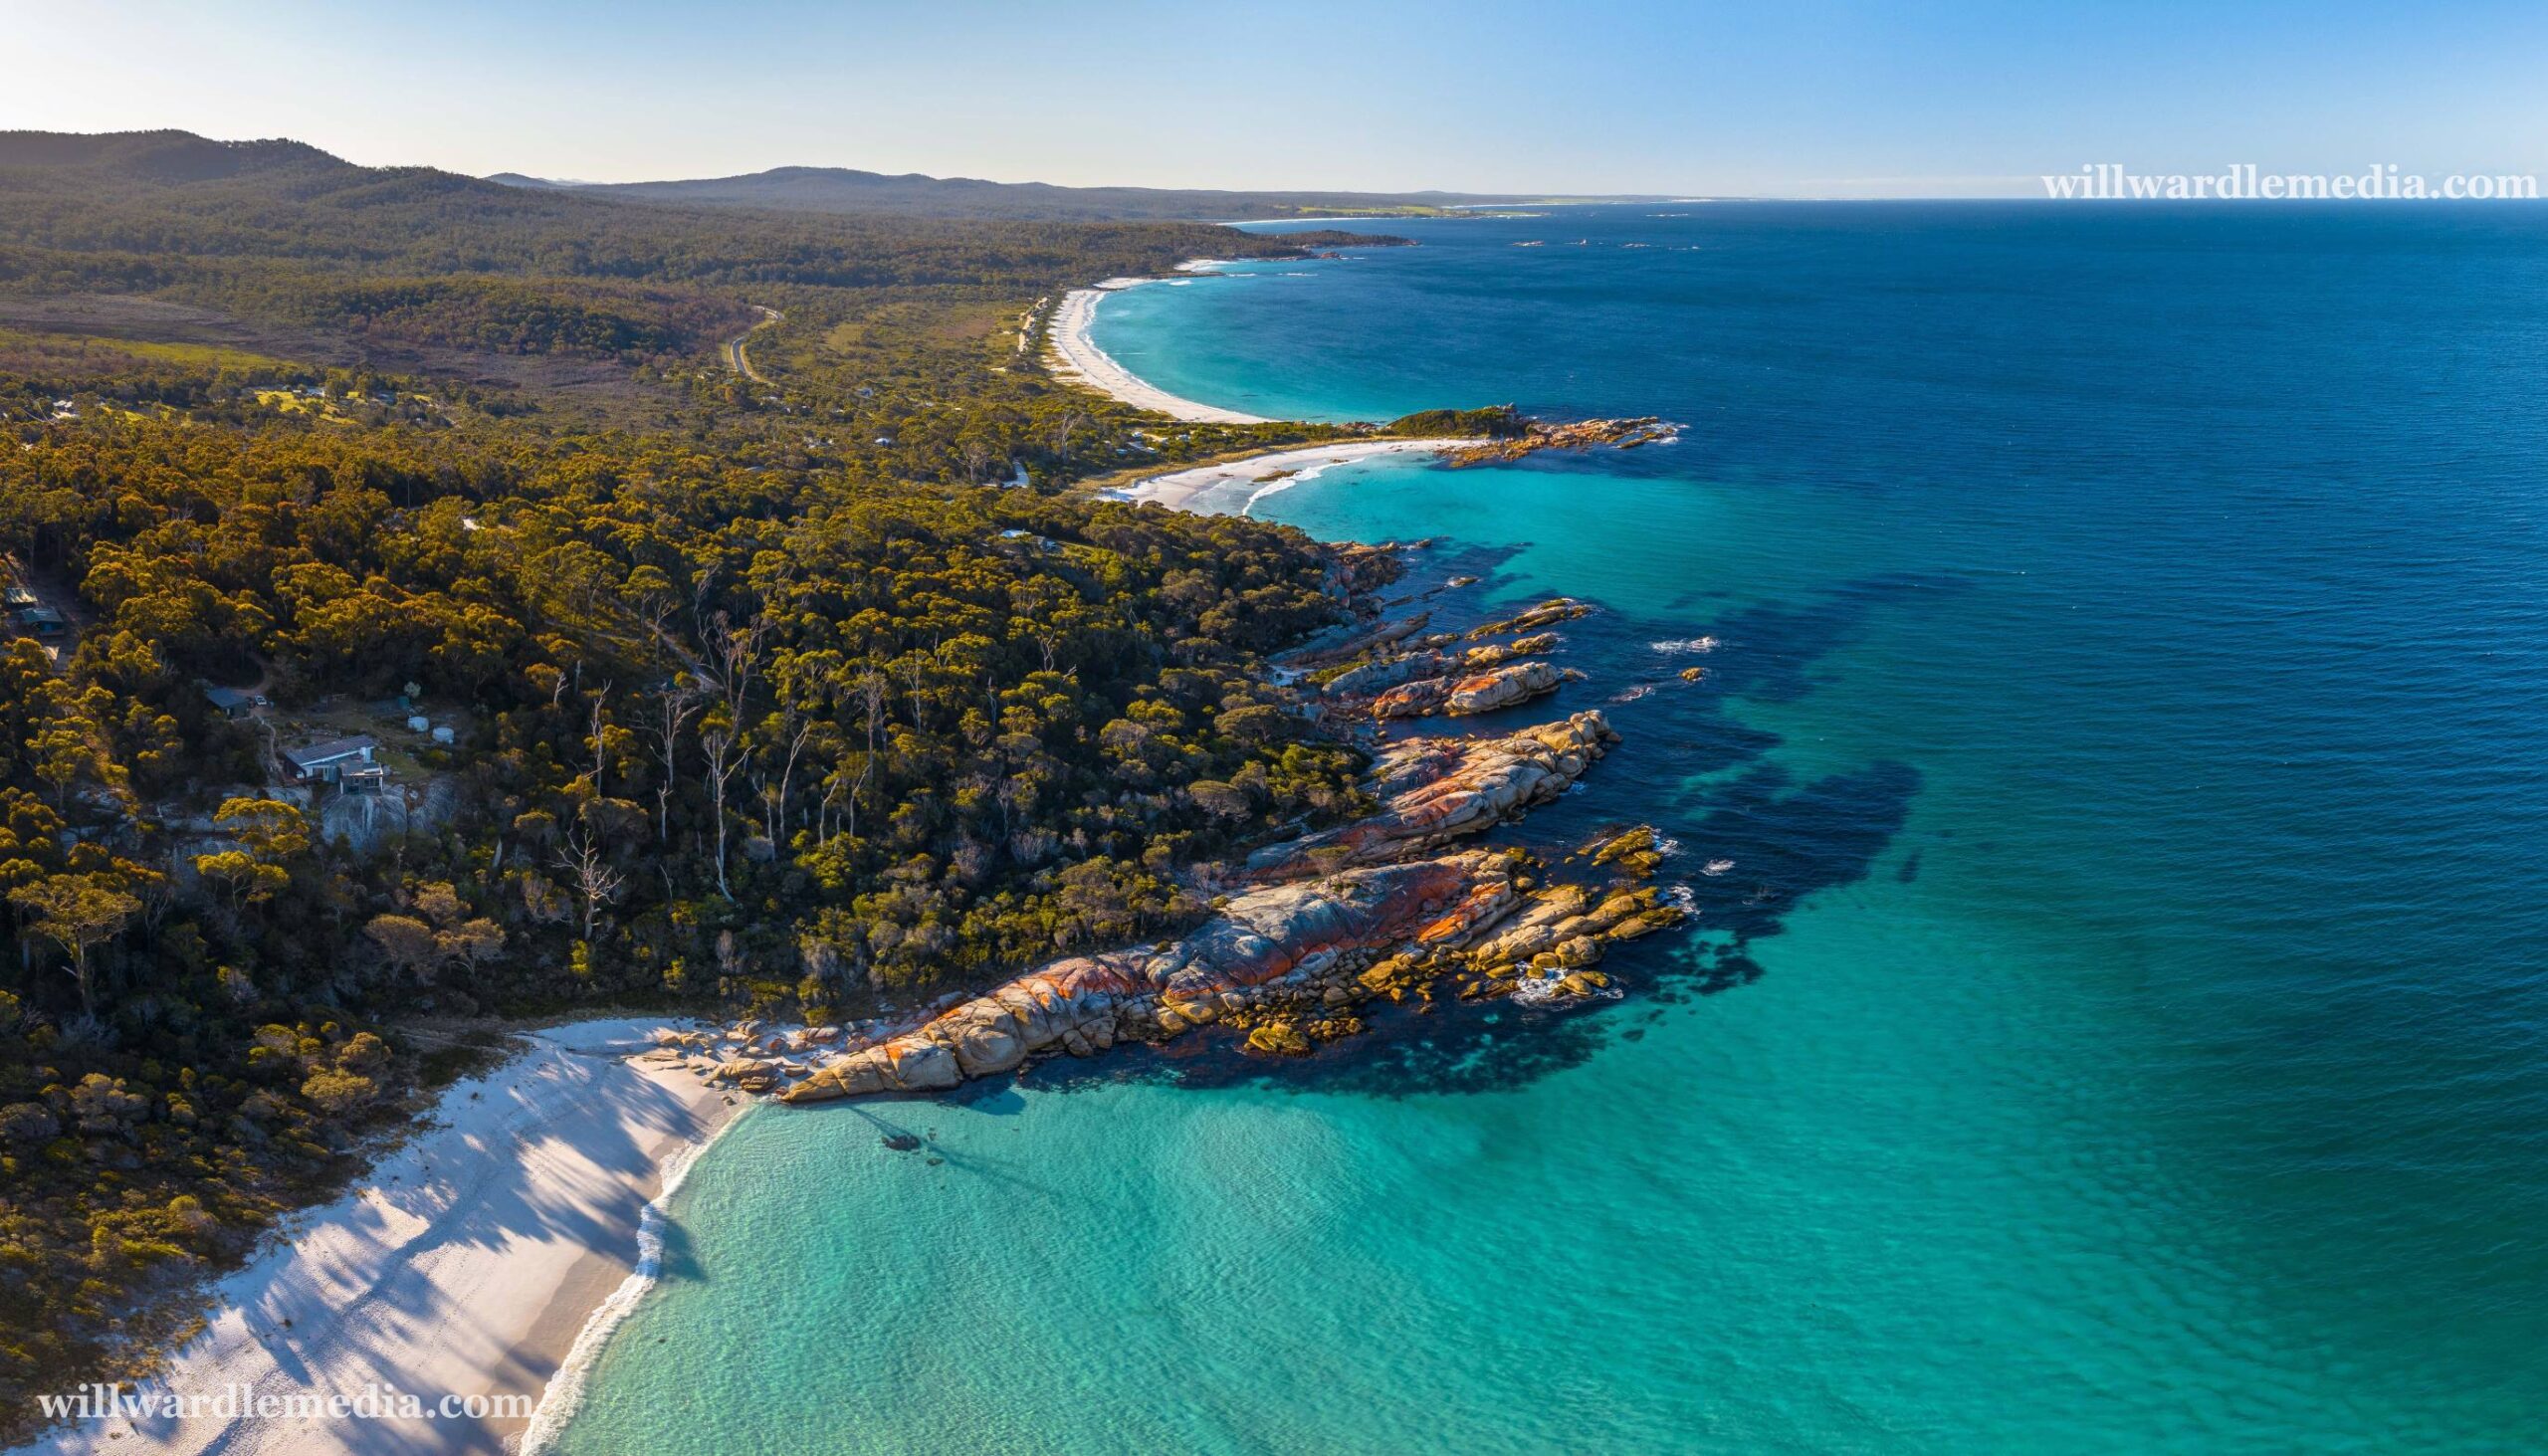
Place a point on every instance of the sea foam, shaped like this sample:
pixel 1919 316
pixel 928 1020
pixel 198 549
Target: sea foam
pixel 564 1395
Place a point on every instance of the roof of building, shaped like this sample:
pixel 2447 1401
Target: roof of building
pixel 229 697
pixel 318 754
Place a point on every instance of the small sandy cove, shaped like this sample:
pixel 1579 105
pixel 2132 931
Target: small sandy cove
pixel 1269 472
pixel 465 1264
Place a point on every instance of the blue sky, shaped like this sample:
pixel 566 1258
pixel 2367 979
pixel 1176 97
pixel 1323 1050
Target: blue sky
pixel 1793 98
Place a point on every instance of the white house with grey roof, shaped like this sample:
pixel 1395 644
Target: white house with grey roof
pixel 330 762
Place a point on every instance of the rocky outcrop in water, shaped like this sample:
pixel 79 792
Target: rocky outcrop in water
pixel 1435 790
pixel 1381 673
pixel 1500 687
pixel 1537 435
pixel 1494 653
pixel 1359 570
pixel 1547 614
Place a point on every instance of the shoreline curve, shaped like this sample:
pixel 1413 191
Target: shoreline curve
pixel 1269 470
pixel 1073 354
pixel 486 1256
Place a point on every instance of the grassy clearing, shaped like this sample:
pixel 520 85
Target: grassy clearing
pixel 102 354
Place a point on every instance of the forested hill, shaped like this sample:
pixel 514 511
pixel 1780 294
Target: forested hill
pixel 753 691
pixel 848 192
pixel 284 233
pixel 116 199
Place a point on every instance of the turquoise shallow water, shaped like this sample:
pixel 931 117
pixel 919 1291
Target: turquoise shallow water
pixel 2122 1029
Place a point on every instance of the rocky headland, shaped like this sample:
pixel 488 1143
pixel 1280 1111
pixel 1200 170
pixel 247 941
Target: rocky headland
pixel 1538 435
pixel 1287 964
pixel 1398 904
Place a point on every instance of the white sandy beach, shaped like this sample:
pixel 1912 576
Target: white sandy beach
pixel 465 1264
pixel 1204 486
pixel 1077 356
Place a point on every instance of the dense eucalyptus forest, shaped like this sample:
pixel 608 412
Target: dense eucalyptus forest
pixel 777 694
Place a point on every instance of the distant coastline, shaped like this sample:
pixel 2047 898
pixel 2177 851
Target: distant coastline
pixel 1074 356
pixel 1493 434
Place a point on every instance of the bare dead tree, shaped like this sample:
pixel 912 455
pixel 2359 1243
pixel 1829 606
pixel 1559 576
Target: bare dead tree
pixel 1063 428
pixel 679 701
pixel 596 882
pixel 738 652
pixel 600 741
pixel 788 773
pixel 718 743
pixel 871 695
pixel 823 809
pixel 737 655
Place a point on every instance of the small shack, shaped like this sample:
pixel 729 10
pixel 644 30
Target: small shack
pixel 230 702
pixel 330 762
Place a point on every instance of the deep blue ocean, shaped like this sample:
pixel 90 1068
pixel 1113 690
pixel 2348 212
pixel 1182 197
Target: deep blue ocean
pixel 2122 1029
